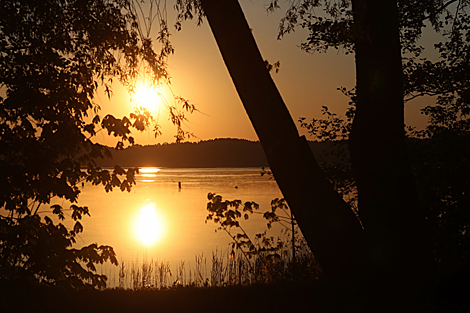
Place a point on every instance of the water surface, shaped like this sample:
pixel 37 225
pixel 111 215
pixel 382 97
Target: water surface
pixel 181 211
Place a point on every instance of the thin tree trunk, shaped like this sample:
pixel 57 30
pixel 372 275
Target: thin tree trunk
pixel 330 227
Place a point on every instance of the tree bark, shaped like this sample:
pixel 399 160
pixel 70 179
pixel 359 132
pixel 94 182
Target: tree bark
pixel 388 202
pixel 328 224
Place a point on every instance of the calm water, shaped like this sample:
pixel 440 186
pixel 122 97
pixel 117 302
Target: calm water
pixel 116 216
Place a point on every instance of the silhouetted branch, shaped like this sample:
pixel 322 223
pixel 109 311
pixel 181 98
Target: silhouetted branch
pixel 441 8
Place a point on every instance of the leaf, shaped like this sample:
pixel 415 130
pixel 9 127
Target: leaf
pixel 119 145
pixel 125 186
pixel 118 170
pixel 139 125
pixel 91 266
pixel 90 128
pixel 56 209
pixel 115 181
pixel 130 175
pixel 48 220
pixel 78 228
pixel 76 215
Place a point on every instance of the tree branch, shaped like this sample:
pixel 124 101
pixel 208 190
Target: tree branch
pixel 441 8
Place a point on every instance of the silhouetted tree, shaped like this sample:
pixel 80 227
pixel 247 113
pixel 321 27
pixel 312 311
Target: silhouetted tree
pixel 393 240
pixel 387 199
pixel 444 77
pixel 328 228
pixel 54 54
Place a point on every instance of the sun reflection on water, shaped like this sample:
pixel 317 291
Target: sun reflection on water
pixel 149 171
pixel 150 227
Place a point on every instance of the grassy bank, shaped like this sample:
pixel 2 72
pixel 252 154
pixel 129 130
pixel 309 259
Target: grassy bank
pixel 288 298
pixel 284 297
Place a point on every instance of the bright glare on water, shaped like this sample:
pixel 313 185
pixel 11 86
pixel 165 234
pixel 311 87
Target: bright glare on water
pixel 150 226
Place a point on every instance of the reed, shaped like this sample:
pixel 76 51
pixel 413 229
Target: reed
pixel 226 268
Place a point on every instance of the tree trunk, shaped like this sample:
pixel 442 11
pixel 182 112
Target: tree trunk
pixel 388 203
pixel 330 227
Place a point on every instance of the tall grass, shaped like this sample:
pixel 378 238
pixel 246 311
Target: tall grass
pixel 224 268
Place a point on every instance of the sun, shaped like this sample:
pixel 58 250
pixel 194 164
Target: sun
pixel 149 226
pixel 147 97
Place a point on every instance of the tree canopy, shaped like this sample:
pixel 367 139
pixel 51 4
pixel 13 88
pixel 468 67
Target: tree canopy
pixel 54 57
pixel 331 26
pixel 438 152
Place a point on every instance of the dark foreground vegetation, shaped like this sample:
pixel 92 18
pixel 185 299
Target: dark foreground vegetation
pixel 442 295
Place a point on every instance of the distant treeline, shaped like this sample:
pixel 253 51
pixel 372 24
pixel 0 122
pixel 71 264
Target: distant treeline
pixel 208 153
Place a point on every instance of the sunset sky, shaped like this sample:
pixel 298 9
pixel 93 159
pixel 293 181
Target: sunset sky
pixel 306 81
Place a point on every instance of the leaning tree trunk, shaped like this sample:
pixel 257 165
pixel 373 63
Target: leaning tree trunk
pixel 330 227
pixel 388 204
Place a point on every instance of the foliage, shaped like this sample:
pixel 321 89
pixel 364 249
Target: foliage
pixel 226 214
pixel 276 66
pixel 330 22
pixel 186 10
pixel 54 55
pixel 439 155
pixel 439 159
pixel 334 131
pixel 267 258
pixel 36 250
pixel 330 25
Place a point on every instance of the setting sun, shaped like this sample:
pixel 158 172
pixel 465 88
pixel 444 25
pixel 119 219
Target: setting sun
pixel 149 225
pixel 147 97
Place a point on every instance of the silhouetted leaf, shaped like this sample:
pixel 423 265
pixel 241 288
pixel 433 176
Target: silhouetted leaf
pixel 78 228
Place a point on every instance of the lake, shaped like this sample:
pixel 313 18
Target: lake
pixel 177 214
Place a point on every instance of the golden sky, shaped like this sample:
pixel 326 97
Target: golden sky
pixel 306 81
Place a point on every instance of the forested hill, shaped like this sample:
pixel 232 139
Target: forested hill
pixel 210 153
